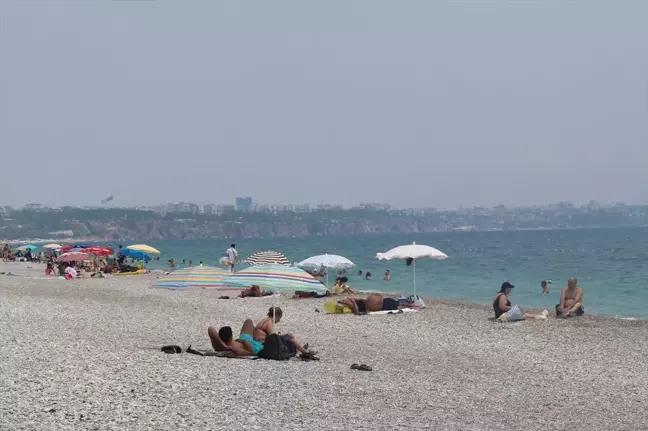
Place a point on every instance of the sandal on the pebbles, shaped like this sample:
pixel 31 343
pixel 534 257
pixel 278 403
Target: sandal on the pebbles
pixel 194 351
pixel 361 367
pixel 310 356
pixel 171 349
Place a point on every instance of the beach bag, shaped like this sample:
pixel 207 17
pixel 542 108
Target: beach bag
pixel 274 348
pixel 513 315
pixel 416 301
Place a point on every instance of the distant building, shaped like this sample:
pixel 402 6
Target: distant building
pixel 181 207
pixel 244 204
pixel 301 208
pixel 208 209
pixel 35 207
pixel 221 209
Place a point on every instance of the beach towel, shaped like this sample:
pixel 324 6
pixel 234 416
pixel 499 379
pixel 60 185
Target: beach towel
pixel 399 311
pixel 513 315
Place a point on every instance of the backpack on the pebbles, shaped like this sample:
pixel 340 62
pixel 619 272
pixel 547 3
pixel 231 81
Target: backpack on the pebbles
pixel 274 348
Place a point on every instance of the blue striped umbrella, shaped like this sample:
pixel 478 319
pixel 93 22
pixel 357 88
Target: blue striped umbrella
pixel 275 277
pixel 204 277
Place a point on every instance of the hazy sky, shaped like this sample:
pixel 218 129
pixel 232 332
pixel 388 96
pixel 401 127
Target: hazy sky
pixel 414 103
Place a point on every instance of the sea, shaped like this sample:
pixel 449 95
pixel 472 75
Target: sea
pixel 611 264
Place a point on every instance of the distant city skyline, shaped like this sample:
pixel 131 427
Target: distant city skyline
pixel 247 204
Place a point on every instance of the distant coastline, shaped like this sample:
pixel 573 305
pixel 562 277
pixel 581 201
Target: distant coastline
pixel 21 241
pixel 124 224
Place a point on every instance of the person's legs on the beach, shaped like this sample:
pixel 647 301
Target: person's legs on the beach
pixel 351 303
pixel 298 346
pixel 247 338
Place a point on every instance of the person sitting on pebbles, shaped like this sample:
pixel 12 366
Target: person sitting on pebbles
pixel 571 300
pixel 266 326
pixel 341 287
pixel 373 302
pixel 222 340
pixel 501 303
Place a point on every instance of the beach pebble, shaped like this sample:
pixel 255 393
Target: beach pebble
pixel 89 358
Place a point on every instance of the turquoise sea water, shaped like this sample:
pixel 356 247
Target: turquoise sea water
pixel 611 264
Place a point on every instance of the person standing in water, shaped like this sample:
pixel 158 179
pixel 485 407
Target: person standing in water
pixel 232 256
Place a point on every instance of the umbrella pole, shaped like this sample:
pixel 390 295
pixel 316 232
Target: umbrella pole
pixel 414 274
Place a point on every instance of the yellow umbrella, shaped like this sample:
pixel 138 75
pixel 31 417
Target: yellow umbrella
pixel 144 248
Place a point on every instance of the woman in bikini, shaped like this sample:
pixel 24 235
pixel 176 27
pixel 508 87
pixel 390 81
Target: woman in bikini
pixel 266 327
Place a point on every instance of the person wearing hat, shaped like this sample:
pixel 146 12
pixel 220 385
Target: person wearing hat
pixel 501 303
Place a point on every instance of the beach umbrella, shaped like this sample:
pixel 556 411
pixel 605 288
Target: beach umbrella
pixel 267 258
pixel 412 251
pixel 144 248
pixel 204 277
pixel 135 254
pixel 75 247
pixel 275 277
pixel 31 247
pixel 73 256
pixel 99 251
pixel 52 246
pixel 329 261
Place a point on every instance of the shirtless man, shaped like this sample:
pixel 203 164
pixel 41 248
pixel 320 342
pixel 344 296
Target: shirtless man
pixel 222 340
pixel 571 300
pixel 373 302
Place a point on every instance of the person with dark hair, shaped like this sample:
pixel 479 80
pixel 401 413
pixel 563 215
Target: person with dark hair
pixel 266 327
pixel 408 261
pixel 545 286
pixel 368 276
pixel 373 302
pixel 222 340
pixel 387 276
pixel 340 286
pixel 501 303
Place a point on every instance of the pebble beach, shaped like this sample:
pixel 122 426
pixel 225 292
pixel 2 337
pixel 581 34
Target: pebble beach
pixel 85 355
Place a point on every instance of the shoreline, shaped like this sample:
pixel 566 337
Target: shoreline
pixel 24 272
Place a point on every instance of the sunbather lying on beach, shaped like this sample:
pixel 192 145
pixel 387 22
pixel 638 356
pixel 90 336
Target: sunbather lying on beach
pixel 255 292
pixel 222 340
pixel 266 327
pixel 373 302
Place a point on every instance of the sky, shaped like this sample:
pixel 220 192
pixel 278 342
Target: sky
pixel 411 103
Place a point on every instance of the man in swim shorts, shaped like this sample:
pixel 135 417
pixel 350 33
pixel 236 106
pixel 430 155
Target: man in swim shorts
pixel 571 300
pixel 245 345
pixel 373 302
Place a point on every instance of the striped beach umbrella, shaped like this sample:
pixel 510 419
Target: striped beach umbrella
pixel 275 277
pixel 203 277
pixel 267 258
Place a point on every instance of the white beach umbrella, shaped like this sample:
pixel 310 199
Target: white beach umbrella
pixel 329 261
pixel 413 251
pixel 52 246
